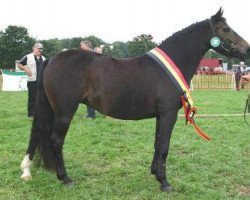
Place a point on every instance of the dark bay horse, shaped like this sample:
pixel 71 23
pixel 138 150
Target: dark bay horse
pixel 129 89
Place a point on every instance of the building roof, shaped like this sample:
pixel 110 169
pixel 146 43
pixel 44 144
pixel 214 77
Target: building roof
pixel 210 62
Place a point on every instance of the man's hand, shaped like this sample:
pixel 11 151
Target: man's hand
pixel 28 71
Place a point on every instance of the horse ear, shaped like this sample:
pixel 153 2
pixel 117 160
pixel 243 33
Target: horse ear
pixel 218 15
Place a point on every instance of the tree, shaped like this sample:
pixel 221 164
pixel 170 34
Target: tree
pixel 140 45
pixel 15 42
pixel 66 43
pixel 51 47
pixel 119 50
pixel 74 43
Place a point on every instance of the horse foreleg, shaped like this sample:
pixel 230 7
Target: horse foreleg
pixel 57 138
pixel 164 127
pixel 154 165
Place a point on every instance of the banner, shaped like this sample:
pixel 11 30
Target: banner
pixel 14 81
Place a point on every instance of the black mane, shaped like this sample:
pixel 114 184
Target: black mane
pixel 182 32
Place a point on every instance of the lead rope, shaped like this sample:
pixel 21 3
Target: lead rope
pixel 189 115
pixel 247 107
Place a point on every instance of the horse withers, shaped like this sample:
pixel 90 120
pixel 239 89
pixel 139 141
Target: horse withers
pixel 129 89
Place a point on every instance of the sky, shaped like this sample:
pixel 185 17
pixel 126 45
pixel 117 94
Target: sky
pixel 118 20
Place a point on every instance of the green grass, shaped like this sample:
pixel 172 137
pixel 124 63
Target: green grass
pixel 110 159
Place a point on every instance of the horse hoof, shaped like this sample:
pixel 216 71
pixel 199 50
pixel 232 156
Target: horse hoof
pixel 167 189
pixel 26 178
pixel 70 184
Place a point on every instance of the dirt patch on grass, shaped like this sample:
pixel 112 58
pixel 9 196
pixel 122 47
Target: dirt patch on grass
pixel 244 190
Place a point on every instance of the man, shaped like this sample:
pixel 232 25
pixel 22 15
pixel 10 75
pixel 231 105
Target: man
pixel 86 45
pixel 31 64
pixel 98 50
pixel 238 74
pixel 245 79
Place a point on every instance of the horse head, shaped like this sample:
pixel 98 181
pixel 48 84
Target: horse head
pixel 225 40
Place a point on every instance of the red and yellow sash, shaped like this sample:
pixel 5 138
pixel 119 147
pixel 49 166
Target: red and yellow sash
pixel 176 76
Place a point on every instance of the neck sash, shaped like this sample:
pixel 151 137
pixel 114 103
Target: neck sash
pixel 180 82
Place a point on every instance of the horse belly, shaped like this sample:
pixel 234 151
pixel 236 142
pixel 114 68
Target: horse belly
pixel 135 105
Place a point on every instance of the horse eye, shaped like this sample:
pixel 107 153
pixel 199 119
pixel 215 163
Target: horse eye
pixel 226 29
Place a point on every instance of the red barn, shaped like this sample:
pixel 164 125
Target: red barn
pixel 210 65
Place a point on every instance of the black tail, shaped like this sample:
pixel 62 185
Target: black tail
pixel 43 123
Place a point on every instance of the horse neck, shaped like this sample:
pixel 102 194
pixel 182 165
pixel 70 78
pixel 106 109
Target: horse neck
pixel 186 48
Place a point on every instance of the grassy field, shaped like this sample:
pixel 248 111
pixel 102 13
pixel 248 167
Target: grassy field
pixel 110 159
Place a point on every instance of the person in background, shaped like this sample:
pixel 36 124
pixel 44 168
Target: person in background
pixel 245 79
pixel 243 72
pixel 86 45
pixel 98 50
pixel 31 64
pixel 238 74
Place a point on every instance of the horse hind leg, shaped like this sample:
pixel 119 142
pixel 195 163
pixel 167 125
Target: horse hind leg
pixel 57 139
pixel 27 161
pixel 25 166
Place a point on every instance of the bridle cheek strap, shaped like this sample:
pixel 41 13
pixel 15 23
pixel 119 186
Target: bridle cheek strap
pixel 222 44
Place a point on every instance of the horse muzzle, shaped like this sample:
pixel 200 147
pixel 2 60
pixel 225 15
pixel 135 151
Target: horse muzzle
pixel 241 53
